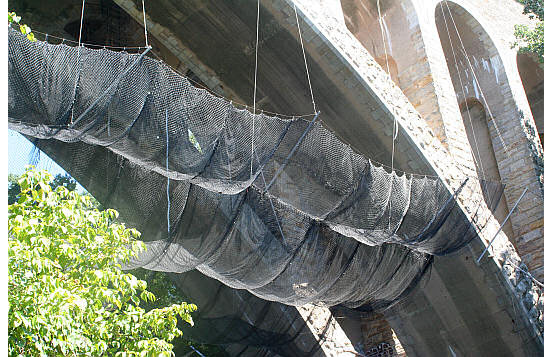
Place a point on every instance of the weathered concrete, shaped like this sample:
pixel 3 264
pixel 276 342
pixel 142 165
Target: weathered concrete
pixel 481 76
pixel 411 39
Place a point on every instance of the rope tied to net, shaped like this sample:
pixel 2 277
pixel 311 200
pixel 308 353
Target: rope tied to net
pixel 305 60
pixel 78 60
pixel 197 351
pixel 81 23
pixel 255 87
pixel 395 123
pixel 145 24
pixel 167 176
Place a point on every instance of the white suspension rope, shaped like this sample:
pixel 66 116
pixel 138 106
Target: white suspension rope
pixel 167 176
pixel 395 126
pixel 304 59
pixel 255 87
pixel 145 24
pixel 381 23
pixel 477 159
pixel 395 123
pixel 254 103
pixel 78 57
pixel 477 80
pixel 81 24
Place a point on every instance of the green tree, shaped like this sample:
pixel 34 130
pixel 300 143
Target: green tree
pixel 26 30
pixel 531 39
pixel 59 180
pixel 67 292
pixel 167 293
pixel 63 180
pixel 13 188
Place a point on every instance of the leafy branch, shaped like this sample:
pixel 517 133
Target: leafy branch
pixel 26 30
pixel 531 39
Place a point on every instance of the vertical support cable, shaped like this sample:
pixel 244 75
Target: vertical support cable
pixel 381 23
pixel 255 87
pixel 145 24
pixel 483 172
pixel 167 176
pixel 78 59
pixel 395 124
pixel 305 60
pixel 81 25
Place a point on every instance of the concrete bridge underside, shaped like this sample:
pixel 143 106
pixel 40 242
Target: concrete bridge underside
pixel 462 308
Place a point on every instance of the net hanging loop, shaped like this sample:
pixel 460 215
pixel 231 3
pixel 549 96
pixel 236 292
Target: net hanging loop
pixel 272 204
pixel 292 151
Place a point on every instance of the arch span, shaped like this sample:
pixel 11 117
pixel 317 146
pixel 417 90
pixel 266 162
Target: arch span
pixel 476 128
pixel 478 78
pixel 532 78
pixel 396 35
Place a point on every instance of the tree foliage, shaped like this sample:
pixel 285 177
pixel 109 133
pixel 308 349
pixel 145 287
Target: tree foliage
pixel 59 180
pixel 26 30
pixel 67 292
pixel 13 189
pixel 531 39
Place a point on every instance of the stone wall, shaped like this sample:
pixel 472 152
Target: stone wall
pixel 519 156
pixel 378 337
pixel 448 165
pixel 398 39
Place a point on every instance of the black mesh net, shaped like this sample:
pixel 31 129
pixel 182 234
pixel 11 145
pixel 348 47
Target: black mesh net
pixel 280 208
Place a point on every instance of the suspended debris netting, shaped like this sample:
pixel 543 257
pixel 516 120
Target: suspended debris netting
pixel 285 210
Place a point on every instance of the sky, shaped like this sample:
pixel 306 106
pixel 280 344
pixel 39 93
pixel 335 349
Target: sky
pixel 20 153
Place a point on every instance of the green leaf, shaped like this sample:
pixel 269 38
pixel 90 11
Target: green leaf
pixel 66 293
pixel 193 140
pixel 66 212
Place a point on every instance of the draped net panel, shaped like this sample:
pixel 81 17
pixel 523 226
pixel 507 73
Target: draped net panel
pixel 286 211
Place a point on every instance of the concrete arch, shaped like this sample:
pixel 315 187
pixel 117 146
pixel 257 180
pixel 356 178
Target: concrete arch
pixel 401 41
pixel 532 77
pixel 475 14
pixel 389 65
pixel 478 134
pixel 477 70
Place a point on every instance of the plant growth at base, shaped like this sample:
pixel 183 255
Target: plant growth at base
pixel 67 293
